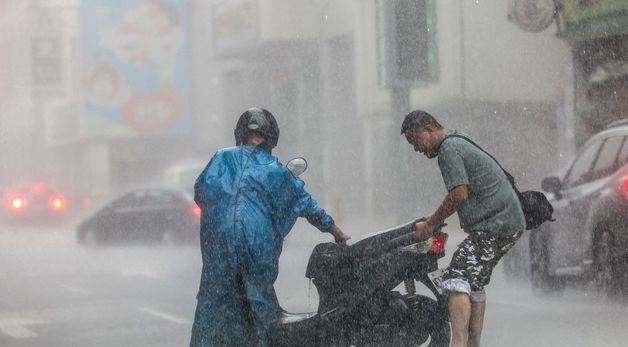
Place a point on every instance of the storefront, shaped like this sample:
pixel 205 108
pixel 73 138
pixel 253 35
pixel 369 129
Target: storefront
pixel 597 32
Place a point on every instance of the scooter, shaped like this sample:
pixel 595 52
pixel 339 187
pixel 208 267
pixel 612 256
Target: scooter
pixel 358 303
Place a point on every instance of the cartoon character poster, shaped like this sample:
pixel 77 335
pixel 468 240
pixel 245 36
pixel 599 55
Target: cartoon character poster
pixel 135 77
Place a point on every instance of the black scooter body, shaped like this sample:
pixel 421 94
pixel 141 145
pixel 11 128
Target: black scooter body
pixel 357 303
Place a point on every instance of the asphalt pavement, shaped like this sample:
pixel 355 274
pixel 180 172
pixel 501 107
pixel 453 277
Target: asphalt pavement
pixel 56 293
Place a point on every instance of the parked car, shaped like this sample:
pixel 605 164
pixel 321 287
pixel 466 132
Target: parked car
pixel 35 203
pixel 589 239
pixel 157 215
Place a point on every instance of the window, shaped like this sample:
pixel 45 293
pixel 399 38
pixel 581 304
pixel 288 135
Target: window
pixel 580 171
pixel 606 161
pixel 46 61
pixel 160 197
pixel 407 42
pixel 623 154
pixel 130 200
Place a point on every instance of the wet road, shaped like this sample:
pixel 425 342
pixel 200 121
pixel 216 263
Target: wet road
pixel 56 293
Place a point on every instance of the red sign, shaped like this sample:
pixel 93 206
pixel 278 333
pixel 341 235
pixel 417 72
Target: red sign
pixel 153 113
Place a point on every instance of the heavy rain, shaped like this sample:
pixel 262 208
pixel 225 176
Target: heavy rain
pixel 110 110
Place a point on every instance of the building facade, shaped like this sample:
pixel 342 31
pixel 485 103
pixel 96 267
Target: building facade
pixel 340 75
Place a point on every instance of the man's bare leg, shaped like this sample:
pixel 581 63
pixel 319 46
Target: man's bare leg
pixel 459 315
pixel 476 323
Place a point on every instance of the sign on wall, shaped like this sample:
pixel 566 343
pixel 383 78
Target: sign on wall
pixel 532 15
pixel 134 68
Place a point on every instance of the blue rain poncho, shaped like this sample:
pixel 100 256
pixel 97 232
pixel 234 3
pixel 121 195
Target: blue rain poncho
pixel 249 203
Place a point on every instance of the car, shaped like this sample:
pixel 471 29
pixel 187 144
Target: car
pixel 148 215
pixel 588 242
pixel 35 203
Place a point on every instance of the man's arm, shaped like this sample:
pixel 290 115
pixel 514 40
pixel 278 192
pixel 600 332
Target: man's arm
pixel 200 185
pixel 339 235
pixel 452 202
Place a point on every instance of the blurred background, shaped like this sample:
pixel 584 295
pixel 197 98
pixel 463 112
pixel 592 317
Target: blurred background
pixel 100 98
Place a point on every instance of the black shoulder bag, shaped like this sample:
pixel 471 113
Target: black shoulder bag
pixel 536 208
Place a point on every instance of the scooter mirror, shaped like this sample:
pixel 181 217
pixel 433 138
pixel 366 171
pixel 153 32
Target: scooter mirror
pixel 297 166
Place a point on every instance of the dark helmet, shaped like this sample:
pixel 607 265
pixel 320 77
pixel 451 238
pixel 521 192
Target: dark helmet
pixel 257 120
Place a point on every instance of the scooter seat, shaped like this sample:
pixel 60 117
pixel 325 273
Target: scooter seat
pixel 290 318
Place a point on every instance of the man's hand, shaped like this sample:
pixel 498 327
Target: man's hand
pixel 423 231
pixel 339 235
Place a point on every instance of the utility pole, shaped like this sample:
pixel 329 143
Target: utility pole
pixel 410 62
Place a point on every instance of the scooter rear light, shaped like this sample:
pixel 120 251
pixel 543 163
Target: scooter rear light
pixel 438 243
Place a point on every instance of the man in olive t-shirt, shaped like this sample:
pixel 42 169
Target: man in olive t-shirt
pixel 488 209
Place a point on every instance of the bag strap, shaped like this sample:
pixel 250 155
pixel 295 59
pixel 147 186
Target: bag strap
pixel 510 177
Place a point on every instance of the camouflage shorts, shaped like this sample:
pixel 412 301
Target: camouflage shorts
pixel 473 262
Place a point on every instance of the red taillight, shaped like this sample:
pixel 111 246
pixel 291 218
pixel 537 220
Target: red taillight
pixel 438 243
pixel 196 211
pixel 17 203
pixel 624 186
pixel 88 201
pixel 38 189
pixel 56 202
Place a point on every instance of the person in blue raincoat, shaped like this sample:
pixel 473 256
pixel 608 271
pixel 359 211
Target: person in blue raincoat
pixel 249 203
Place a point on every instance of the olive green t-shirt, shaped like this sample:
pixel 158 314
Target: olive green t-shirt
pixel 492 204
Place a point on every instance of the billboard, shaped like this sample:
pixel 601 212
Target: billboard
pixel 134 68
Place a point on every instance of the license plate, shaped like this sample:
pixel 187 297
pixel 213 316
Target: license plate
pixel 437 279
